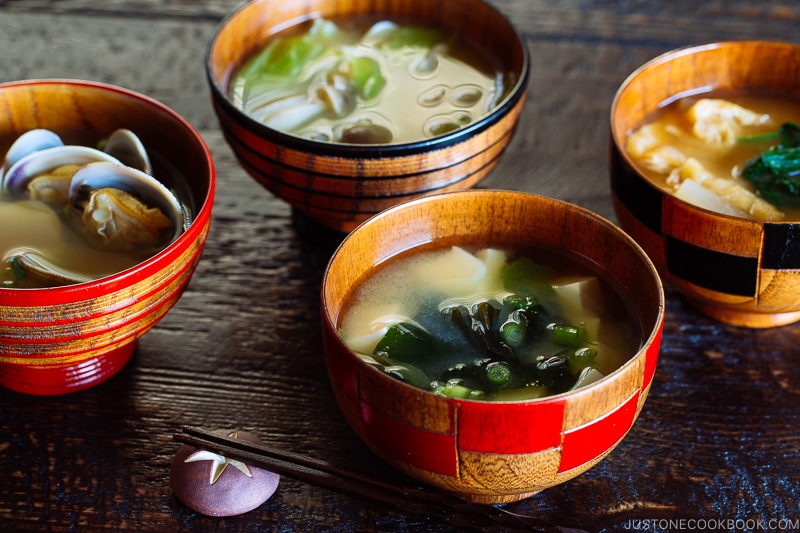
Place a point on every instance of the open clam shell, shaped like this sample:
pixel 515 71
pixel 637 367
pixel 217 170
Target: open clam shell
pixel 91 178
pixel 27 143
pixel 124 145
pixel 43 268
pixel 150 191
pixel 20 174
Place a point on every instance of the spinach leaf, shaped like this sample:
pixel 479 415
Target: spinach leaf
pixel 776 172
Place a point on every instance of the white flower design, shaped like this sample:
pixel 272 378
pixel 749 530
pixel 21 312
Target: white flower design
pixel 220 461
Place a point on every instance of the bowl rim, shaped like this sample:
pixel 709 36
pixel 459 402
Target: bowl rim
pixel 681 51
pixel 663 58
pixel 129 276
pixel 650 338
pixel 361 150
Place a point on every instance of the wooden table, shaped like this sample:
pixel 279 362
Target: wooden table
pixel 717 439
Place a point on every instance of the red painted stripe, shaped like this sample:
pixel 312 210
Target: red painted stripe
pixel 33 353
pixel 190 242
pixel 510 428
pixel 587 442
pixel 434 452
pixel 157 296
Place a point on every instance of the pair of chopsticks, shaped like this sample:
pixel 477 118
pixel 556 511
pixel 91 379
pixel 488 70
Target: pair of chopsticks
pixel 407 498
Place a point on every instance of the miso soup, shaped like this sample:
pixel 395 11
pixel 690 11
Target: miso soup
pixel 737 154
pixel 361 81
pixel 491 324
pixel 48 237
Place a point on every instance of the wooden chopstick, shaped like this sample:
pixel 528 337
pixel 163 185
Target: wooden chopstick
pixel 407 498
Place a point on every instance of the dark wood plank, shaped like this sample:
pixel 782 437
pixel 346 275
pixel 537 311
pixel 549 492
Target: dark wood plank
pixel 717 438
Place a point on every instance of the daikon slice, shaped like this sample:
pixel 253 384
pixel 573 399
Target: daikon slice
pixel 692 192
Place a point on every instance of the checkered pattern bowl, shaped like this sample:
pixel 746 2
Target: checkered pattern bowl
pixel 491 452
pixel 739 271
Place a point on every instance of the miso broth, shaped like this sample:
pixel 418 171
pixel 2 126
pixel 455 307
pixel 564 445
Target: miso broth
pixel 491 324
pixel 703 157
pixel 33 225
pixel 360 81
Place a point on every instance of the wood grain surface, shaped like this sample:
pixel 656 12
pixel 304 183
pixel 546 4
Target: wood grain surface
pixel 718 438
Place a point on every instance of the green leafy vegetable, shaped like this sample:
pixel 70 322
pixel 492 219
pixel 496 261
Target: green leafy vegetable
pixel 526 278
pixel 407 343
pixel 776 172
pixel 366 76
pixel 527 303
pixel 788 133
pixel 403 371
pixel 505 334
pixel 288 56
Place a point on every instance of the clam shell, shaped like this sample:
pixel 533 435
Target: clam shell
pixel 34 164
pixel 124 145
pixel 108 174
pixel 41 267
pixel 27 143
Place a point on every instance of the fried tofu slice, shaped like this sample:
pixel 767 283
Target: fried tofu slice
pixel 719 122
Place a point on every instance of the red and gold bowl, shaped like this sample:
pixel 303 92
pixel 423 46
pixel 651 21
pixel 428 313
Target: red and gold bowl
pixel 491 451
pixel 340 185
pixel 65 339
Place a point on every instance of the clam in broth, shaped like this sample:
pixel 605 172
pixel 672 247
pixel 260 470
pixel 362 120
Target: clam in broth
pixel 71 214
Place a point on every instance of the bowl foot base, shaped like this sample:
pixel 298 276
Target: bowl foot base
pixel 492 499
pixel 53 379
pixel 747 319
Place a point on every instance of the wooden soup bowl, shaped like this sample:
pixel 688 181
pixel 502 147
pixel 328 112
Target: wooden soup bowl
pixel 340 185
pixel 491 451
pixel 738 271
pixel 64 339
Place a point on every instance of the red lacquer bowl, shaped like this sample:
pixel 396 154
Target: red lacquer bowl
pixel 65 339
pixel 339 185
pixel 491 452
